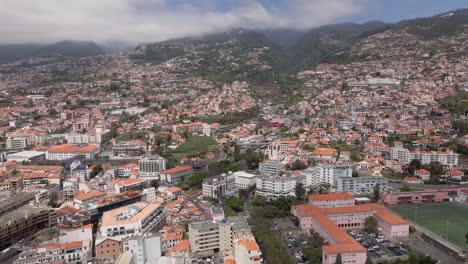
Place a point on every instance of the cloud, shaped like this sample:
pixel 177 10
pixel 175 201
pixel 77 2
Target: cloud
pixel 135 21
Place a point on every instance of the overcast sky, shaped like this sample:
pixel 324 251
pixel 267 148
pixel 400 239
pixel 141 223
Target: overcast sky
pixel 136 21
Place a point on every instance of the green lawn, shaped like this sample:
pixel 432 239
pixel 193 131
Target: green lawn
pixel 434 217
pixel 195 146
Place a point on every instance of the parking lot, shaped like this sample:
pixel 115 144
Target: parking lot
pixel 377 245
pixel 296 242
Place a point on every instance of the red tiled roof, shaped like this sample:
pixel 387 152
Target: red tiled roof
pixel 330 196
pixel 177 169
pixel 390 218
pixel 66 210
pixel 86 196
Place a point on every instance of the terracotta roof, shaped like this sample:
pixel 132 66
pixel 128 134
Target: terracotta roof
pixel 177 169
pixel 343 248
pixel 345 243
pixel 66 210
pixel 330 196
pixel 455 172
pixel 249 244
pixel 390 218
pixel 422 171
pixel 371 207
pixel 175 189
pixel 86 196
pixel 64 148
pixel 74 244
pixel 126 182
pixel 39 167
pixel 183 245
pixel 324 151
pixel 229 261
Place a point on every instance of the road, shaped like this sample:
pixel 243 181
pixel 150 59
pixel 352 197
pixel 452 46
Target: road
pixel 426 248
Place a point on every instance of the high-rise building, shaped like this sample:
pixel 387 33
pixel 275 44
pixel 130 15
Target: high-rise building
pixel 210 237
pixel 270 167
pixel 151 167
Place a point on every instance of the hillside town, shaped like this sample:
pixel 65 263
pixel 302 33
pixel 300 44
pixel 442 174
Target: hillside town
pixel 114 159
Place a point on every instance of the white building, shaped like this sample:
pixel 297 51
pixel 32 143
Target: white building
pixel 177 174
pixel 405 156
pixel 78 138
pixel 219 186
pixel 244 180
pixel 150 194
pixel 359 185
pixel 17 143
pixel 137 218
pixel 270 167
pixel 145 249
pixel 75 252
pixel 273 187
pixel 68 151
pixel 151 167
pixel 329 173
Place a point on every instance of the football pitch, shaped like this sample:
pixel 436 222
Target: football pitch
pixel 443 219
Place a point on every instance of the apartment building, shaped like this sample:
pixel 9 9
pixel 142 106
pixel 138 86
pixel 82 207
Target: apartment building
pixel 86 138
pixel 330 173
pixel 23 222
pixel 150 168
pixel 210 237
pixel 15 202
pixel 76 252
pixel 136 218
pixel 18 143
pixel 270 167
pixel 68 151
pixel 219 186
pixel 273 187
pixel 123 149
pixel 404 156
pixel 177 175
pixel 359 185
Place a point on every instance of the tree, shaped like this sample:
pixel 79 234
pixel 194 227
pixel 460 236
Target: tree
pixel 52 112
pixel 466 237
pixel 377 192
pixel 405 188
pixel 197 178
pixel 414 165
pixel 300 191
pixel 371 224
pixel 298 165
pixel 53 200
pixel 234 204
pixel 154 183
pixel 96 170
pixel 369 261
pixel 355 174
pixel 338 259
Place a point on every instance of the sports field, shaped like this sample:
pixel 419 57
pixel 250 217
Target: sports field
pixel 440 218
